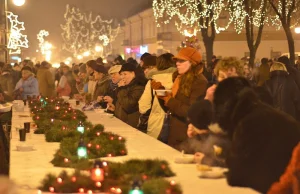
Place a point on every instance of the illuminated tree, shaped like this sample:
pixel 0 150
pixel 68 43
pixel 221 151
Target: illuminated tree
pixel 199 15
pixel 250 15
pixel 287 14
pixel 82 32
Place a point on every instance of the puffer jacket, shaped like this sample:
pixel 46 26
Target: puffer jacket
pixel 30 87
pixel 127 107
pixel 157 114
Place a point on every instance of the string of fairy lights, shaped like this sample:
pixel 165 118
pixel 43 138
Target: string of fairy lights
pixel 85 35
pixel 17 40
pixel 187 13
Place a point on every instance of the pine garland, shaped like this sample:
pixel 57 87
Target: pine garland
pixel 98 143
pixel 58 122
pixel 117 176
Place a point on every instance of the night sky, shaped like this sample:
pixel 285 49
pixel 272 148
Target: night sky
pixel 48 15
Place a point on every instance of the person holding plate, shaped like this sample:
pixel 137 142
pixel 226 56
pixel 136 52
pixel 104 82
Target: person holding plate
pixel 189 84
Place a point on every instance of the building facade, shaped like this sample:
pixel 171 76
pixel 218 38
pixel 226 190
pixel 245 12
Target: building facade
pixel 140 34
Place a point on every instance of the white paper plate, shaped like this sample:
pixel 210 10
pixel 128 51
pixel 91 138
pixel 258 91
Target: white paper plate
pixel 6 108
pixel 25 148
pixel 214 173
pixel 162 92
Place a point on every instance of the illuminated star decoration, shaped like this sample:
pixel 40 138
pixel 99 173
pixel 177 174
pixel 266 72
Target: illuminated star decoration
pixel 16 38
pixel 40 37
pixel 105 39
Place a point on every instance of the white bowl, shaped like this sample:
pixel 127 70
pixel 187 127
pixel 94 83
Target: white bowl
pixel 25 148
pixel 162 92
pixel 185 159
pixel 99 110
pixel 5 107
pixel 66 98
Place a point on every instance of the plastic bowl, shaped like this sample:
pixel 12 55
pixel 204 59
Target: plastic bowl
pixel 66 98
pixel 162 92
pixel 6 107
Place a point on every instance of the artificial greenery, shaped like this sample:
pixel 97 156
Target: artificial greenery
pixel 117 175
pixel 49 113
pixel 58 121
pixel 98 143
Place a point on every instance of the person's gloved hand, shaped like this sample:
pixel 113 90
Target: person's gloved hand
pixel 156 85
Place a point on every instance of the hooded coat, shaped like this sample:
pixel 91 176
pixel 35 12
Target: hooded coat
pixel 262 138
pixel 285 93
pixel 157 113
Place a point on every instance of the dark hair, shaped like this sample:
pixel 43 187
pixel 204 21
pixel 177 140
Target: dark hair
pixel 264 61
pixel 149 61
pixel 285 60
pixel 99 60
pixel 144 56
pixel 91 63
pixel 44 64
pixel 119 60
pixel 165 61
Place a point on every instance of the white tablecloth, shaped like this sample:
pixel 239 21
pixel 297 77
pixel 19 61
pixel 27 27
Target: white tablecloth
pixel 27 169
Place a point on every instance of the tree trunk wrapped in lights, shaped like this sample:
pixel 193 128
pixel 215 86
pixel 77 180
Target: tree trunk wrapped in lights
pixel 200 15
pixel 287 14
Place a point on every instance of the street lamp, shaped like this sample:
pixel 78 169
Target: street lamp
pixel 86 53
pixel 19 2
pixel 297 30
pixel 98 48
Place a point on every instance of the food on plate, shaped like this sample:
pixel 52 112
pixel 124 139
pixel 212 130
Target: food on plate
pixel 202 167
pixel 218 150
pixel 5 105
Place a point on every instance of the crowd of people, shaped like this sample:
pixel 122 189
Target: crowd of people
pixel 226 112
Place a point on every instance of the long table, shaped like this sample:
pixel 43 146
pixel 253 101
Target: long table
pixel 27 169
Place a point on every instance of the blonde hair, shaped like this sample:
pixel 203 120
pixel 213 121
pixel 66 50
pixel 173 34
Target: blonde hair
pixel 277 66
pixel 228 63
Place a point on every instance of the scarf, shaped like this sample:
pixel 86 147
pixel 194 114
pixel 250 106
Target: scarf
pixel 113 86
pixel 176 85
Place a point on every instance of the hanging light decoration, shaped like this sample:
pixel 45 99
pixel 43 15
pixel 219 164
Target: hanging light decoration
pixel 136 188
pixel 97 173
pixel 81 150
pixel 80 127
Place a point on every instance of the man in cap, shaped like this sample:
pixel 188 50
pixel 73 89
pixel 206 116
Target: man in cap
pixel 115 76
